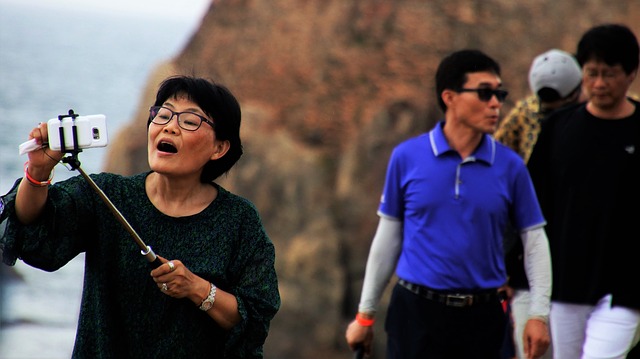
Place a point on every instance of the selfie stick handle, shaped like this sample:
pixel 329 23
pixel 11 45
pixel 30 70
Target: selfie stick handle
pixel 359 352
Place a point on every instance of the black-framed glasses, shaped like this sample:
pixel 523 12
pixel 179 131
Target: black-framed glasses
pixel 485 94
pixel 186 120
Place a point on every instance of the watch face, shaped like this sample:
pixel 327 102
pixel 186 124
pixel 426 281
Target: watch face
pixel 206 306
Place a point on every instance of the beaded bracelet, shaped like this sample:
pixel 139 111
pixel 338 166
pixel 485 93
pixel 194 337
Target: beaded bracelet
pixel 365 322
pixel 33 181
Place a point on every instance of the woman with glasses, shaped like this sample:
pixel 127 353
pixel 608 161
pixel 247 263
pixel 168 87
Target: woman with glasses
pixel 215 291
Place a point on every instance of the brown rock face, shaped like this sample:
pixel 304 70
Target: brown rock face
pixel 327 89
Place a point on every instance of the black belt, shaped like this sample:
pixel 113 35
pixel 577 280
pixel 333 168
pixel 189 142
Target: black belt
pixel 451 299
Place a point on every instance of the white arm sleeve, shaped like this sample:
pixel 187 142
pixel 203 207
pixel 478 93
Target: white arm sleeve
pixel 537 265
pixel 383 257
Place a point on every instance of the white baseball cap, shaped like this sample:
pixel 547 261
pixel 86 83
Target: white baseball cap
pixel 557 70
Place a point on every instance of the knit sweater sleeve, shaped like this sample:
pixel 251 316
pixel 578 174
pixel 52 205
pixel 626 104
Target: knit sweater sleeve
pixel 58 235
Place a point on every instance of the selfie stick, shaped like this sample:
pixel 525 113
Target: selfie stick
pixel 73 161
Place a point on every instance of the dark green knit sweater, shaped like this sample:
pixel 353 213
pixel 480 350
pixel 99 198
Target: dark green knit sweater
pixel 123 314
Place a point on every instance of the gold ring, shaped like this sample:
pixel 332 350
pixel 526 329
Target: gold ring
pixel 172 267
pixel 164 287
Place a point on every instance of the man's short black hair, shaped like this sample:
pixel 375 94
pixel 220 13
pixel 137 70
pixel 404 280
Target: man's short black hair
pixel 612 44
pixel 453 69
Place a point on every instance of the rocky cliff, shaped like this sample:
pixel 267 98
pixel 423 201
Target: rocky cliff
pixel 327 89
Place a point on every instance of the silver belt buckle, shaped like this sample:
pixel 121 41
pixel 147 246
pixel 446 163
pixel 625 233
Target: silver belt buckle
pixel 459 300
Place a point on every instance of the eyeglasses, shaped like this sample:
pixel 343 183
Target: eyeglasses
pixel 186 120
pixel 485 94
pixel 607 75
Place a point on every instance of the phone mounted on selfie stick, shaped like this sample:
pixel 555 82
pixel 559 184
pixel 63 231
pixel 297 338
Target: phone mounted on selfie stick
pixel 74 163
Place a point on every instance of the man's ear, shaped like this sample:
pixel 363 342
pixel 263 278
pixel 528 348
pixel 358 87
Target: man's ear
pixel 221 148
pixel 447 97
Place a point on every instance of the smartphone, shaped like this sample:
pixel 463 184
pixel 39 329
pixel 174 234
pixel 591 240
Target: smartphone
pixel 91 132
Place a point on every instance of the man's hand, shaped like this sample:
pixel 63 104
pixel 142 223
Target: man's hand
pixel 536 338
pixel 357 335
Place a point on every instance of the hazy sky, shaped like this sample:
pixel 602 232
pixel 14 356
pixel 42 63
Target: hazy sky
pixel 183 9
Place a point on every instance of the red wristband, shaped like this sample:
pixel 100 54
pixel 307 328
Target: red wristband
pixel 33 181
pixel 365 322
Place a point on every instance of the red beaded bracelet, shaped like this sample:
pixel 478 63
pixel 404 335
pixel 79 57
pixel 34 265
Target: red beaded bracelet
pixel 33 181
pixel 365 322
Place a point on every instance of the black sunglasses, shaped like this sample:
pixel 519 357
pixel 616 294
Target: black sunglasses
pixel 485 94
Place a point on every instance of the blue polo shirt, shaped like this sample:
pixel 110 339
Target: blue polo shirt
pixel 455 211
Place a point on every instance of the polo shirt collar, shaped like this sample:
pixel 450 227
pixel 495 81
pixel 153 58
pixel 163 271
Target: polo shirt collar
pixel 485 152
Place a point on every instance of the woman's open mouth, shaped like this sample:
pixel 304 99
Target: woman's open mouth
pixel 167 147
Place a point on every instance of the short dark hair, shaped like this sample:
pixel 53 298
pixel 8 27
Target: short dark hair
pixel 453 69
pixel 612 44
pixel 218 103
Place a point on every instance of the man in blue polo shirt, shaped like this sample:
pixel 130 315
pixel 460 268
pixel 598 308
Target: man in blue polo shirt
pixel 447 199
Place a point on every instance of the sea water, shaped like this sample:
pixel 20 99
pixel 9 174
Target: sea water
pixel 52 61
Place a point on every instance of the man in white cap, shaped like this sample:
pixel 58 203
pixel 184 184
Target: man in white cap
pixel 555 78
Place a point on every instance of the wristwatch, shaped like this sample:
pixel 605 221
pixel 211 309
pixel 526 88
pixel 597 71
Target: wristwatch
pixel 207 303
